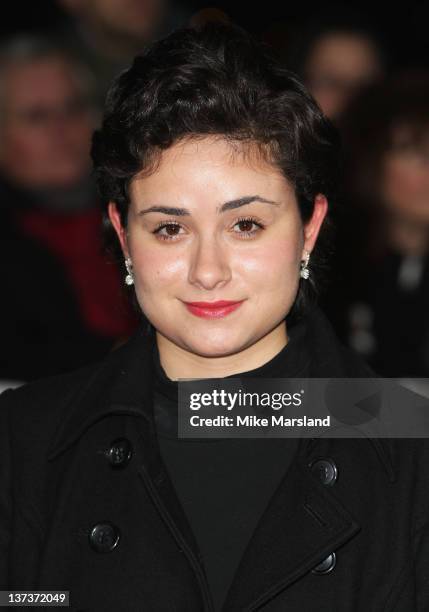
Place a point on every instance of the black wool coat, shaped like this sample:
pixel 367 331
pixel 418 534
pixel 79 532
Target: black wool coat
pixel 86 505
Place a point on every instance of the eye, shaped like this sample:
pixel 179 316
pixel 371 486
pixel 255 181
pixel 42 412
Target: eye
pixel 247 222
pixel 174 227
pixel 163 225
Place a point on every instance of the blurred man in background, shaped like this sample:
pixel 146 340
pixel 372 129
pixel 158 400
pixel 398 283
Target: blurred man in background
pixel 72 309
pixel 107 34
pixel 47 116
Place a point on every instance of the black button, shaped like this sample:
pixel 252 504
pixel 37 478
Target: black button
pixel 326 566
pixel 325 470
pixel 120 453
pixel 104 537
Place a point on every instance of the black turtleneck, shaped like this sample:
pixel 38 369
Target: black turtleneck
pixel 224 485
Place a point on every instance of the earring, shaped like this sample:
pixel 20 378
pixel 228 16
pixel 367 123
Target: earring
pixel 305 272
pixel 129 279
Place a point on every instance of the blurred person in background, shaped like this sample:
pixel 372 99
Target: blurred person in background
pixel 107 34
pixel 337 57
pixel 383 257
pixel 62 304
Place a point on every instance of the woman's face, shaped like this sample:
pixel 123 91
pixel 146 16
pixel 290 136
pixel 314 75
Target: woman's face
pixel 238 236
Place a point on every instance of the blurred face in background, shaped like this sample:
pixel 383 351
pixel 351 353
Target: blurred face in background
pixel 135 19
pixel 46 124
pixel 338 66
pixel 249 253
pixel 405 175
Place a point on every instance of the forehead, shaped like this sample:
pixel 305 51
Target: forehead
pixel 40 80
pixel 201 173
pixel 198 161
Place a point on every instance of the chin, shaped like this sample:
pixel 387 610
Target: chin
pixel 213 345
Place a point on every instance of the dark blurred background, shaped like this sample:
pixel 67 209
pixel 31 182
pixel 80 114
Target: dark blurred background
pixel 366 64
pixel 402 26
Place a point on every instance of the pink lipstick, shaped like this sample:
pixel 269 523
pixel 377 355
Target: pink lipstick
pixel 212 310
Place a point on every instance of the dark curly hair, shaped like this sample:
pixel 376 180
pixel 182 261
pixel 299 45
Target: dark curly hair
pixel 217 80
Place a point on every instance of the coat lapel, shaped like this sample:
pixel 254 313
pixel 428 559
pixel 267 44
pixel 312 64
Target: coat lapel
pixel 163 494
pixel 303 523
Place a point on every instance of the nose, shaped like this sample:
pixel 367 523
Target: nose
pixel 209 263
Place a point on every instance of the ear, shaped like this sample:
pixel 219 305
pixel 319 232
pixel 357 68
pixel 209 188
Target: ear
pixel 312 227
pixel 115 220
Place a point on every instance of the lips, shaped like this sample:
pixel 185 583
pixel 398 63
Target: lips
pixel 212 309
pixel 217 304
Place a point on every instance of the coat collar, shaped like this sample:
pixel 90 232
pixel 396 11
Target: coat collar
pixel 295 533
pixel 120 384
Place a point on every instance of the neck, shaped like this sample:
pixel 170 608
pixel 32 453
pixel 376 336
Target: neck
pixel 409 237
pixel 179 363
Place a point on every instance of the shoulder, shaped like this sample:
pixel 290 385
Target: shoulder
pixel 40 405
pixel 46 382
pixel 33 411
pixel 52 389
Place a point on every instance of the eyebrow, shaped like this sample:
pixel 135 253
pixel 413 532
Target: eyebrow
pixel 180 212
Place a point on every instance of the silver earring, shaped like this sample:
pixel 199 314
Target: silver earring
pixel 129 279
pixel 305 272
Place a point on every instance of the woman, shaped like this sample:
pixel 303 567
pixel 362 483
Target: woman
pixel 218 168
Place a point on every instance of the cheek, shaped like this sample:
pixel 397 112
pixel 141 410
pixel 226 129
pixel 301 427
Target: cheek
pixel 24 156
pixel 273 265
pixel 79 133
pixel 156 268
pixel 26 145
